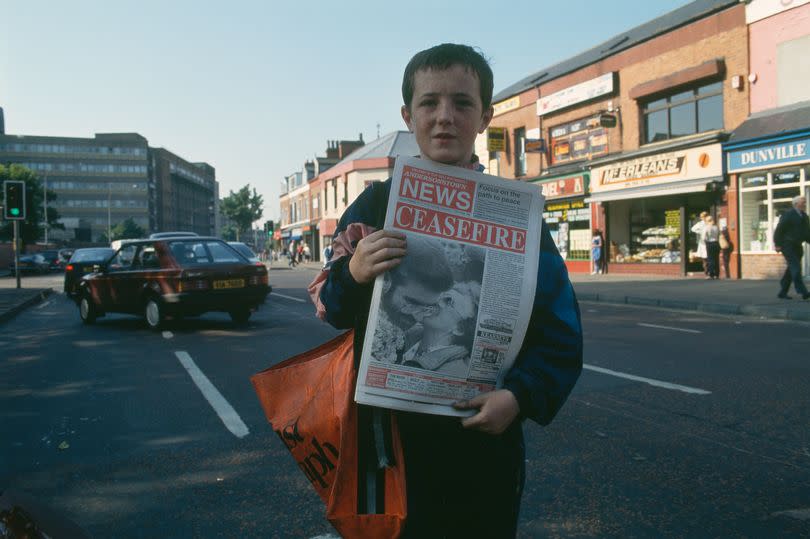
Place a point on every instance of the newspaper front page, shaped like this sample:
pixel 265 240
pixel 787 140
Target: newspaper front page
pixel 448 322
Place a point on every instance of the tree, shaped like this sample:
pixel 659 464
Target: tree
pixel 127 230
pixel 31 228
pixel 242 208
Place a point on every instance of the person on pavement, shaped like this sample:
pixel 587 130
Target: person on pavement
pixel 711 238
pixel 464 477
pixel 791 233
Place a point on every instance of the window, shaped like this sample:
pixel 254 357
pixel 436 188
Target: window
pixel 683 113
pixel 764 197
pixel 334 192
pixel 122 261
pixel 520 151
pixel 345 192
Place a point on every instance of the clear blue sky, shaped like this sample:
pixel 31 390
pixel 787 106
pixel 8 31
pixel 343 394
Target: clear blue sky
pixel 256 87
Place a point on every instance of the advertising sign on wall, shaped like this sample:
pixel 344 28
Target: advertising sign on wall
pixel 783 153
pixel 691 164
pixel 563 187
pixel 496 139
pixel 584 91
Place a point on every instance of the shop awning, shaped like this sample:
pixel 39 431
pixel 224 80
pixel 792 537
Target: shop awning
pixel 676 188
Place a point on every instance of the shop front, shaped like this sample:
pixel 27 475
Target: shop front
pixel 568 218
pixel 768 174
pixel 651 203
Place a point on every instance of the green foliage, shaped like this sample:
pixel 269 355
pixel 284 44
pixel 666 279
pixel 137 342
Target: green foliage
pixel 127 230
pixel 30 229
pixel 242 208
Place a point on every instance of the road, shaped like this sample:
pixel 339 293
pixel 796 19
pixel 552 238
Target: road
pixel 681 425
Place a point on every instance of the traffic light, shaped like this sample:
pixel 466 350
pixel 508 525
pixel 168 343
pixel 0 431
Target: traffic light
pixel 15 200
pixel 268 227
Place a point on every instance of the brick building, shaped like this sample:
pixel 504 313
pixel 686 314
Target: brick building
pixel 629 136
pixel 340 185
pixel 768 156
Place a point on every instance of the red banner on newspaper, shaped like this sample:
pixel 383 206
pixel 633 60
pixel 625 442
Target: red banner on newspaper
pixel 450 226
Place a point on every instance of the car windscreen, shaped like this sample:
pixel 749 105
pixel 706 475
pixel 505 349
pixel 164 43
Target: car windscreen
pixel 92 255
pixel 197 253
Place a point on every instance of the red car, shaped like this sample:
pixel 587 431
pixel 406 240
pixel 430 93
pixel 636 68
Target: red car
pixel 174 277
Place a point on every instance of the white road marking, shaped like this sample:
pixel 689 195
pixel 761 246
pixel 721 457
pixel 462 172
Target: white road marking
pixel 41 305
pixel 651 381
pixel 221 406
pixel 670 328
pixel 168 334
pixel 800 514
pixel 288 297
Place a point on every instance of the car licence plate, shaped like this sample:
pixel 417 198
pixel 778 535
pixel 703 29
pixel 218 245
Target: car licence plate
pixel 88 269
pixel 229 283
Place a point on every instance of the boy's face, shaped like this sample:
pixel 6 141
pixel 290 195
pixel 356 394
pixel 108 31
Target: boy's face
pixel 446 114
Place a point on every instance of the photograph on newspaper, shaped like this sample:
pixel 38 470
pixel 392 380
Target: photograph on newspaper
pixel 447 323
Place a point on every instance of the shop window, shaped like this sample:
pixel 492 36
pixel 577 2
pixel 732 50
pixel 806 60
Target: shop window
pixel 575 141
pixel 683 113
pixel 569 225
pixel 645 232
pixel 764 198
pixel 520 151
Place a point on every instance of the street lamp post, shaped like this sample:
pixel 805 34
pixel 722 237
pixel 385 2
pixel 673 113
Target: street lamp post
pixel 45 204
pixel 109 204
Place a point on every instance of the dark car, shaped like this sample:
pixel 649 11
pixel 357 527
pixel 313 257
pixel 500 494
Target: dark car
pixel 174 277
pixel 35 263
pixel 161 235
pixel 54 260
pixel 244 250
pixel 82 263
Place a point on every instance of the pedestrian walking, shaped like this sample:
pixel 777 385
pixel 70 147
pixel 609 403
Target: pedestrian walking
pixel 711 238
pixel 307 253
pixel 791 232
pixel 464 477
pixel 726 247
pixel 597 251
pixel 697 228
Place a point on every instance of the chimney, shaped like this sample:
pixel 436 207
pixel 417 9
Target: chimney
pixel 331 150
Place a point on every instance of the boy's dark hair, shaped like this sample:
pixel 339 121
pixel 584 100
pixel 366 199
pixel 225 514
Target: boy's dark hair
pixel 445 56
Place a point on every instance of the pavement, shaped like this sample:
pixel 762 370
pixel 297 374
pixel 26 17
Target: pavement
pixel 735 297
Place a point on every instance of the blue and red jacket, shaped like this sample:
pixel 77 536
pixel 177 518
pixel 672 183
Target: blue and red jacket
pixel 550 360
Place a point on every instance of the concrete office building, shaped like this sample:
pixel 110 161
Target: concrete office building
pixel 104 180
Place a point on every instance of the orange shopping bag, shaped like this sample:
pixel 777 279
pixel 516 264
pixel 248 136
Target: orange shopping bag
pixel 308 400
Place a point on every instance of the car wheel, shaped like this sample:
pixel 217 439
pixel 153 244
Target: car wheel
pixel 153 312
pixel 240 316
pixel 87 309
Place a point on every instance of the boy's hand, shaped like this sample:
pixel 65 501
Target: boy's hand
pixel 376 253
pixel 496 411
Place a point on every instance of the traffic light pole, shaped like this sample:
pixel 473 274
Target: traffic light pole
pixel 17 251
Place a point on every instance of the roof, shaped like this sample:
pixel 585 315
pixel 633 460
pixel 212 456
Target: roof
pixel 773 122
pixel 661 25
pixel 391 145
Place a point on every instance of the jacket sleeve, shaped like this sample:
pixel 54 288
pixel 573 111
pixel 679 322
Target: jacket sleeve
pixel 338 298
pixel 781 229
pixel 550 360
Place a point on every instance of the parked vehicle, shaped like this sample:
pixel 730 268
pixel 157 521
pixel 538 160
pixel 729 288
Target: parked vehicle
pixel 65 254
pixel 82 263
pixel 160 235
pixel 34 263
pixel 54 261
pixel 245 251
pixel 174 277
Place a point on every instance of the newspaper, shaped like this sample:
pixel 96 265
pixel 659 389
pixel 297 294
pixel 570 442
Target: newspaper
pixel 449 321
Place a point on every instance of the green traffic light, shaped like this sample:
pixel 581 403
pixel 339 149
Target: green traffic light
pixel 15 211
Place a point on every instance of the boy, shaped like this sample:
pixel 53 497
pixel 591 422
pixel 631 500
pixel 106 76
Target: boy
pixel 464 477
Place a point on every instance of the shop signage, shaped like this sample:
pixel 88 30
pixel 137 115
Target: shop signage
pixel 582 139
pixel 795 151
pixel 607 120
pixel 534 145
pixel 691 164
pixel 563 187
pixel 496 139
pixel 578 93
pixel 505 106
